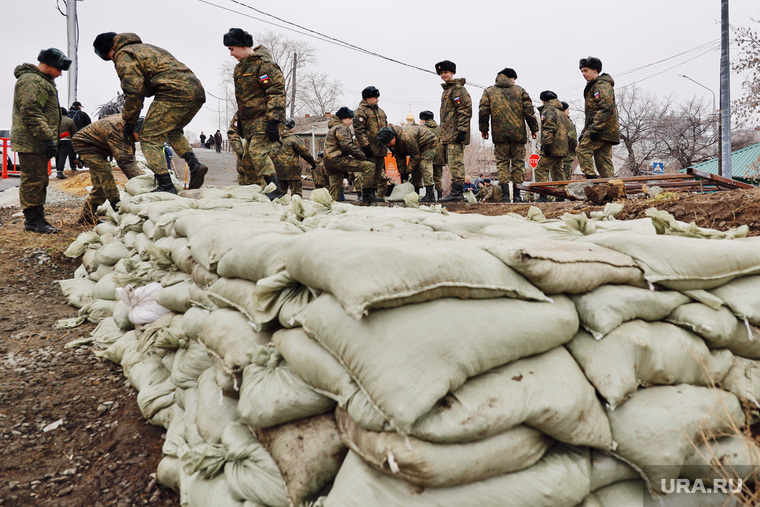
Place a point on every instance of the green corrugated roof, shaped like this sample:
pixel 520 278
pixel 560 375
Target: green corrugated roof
pixel 741 163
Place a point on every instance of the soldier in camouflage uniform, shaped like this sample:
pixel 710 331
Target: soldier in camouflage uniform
pixel 260 94
pixel 419 144
pixel 34 134
pixel 456 112
pixel 319 174
pixel 601 131
pixel 369 118
pixel 244 165
pixel 428 121
pixel 509 108
pixel 286 163
pixel 94 144
pixel 554 126
pixel 489 192
pixel 572 143
pixel 342 155
pixel 150 71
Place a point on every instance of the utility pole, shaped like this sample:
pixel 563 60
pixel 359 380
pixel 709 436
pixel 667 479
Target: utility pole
pixel 293 88
pixel 72 30
pixel 725 91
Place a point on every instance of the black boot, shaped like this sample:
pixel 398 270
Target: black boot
pixel 276 192
pixel 517 196
pixel 505 192
pixel 197 170
pixel 165 183
pixel 88 216
pixel 34 221
pixel 60 175
pixel 429 195
pixel 358 195
pixel 455 195
pixel 543 198
pixel 368 196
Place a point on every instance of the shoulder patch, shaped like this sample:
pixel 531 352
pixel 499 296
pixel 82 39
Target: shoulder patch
pixel 597 95
pixel 264 78
pixel 457 100
pixel 249 74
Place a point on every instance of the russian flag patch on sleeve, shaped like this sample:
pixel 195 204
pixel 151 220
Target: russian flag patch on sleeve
pixel 457 100
pixel 264 78
pixel 597 95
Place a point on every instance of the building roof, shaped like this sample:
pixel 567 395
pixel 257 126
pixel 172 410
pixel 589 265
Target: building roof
pixel 304 126
pixel 745 164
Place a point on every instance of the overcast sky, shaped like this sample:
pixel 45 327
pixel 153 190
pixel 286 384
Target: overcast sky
pixel 647 42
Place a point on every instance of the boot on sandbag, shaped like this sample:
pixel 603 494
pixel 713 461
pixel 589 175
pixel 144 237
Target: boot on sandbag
pixel 455 195
pixel 277 192
pixel 34 221
pixel 197 170
pixel 429 194
pixel 505 192
pixel 369 196
pixel 164 182
pixel 88 216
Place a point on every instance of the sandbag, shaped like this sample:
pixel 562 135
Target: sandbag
pixel 235 293
pixel 77 291
pixel 106 333
pixel 115 352
pixel 404 378
pixel 633 493
pixel 82 242
pixel 743 379
pixel 168 472
pixel 720 328
pixel 189 364
pixel 196 491
pixel 143 307
pixel 193 320
pixel 175 297
pixel 281 298
pixel 155 388
pixel 121 316
pixel 214 410
pixel 101 271
pixel 110 253
pixel 97 310
pixel 257 258
pixel 647 353
pixel 388 270
pixel 229 336
pixel 742 296
pixel 203 277
pixel 606 470
pixel 734 457
pixel 105 288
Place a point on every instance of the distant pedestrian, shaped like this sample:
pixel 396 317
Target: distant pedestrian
pixel 66 131
pixel 202 137
pixel 76 113
pixel 34 133
pixel 456 112
pixel 218 141
pixel 210 143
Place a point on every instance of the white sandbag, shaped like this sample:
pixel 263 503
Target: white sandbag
pixel 743 379
pixel 176 297
pixel 560 479
pixel 257 258
pixel 443 465
pixel 661 425
pixel 404 377
pixel 647 353
pixel 110 253
pixel 214 410
pixel 193 320
pixel 189 363
pixel 77 291
pixel 734 457
pixel 606 470
pixel 606 307
pixel 554 266
pixel 680 263
pixel 388 270
pixel 272 394
pixel 156 390
pixel 234 293
pixel 633 493
pixel 742 296
pixel 143 307
pixel 547 392
pixel 229 336
pixel 399 192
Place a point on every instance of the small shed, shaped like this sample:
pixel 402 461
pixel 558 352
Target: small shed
pixel 745 165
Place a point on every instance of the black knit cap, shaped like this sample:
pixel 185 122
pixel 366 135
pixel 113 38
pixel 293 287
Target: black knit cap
pixel 370 92
pixel 427 115
pixel 591 62
pixel 385 134
pixel 290 123
pixel 103 44
pixel 446 65
pixel 508 72
pixel 55 58
pixel 547 95
pixel 238 37
pixel 344 112
pixel 565 106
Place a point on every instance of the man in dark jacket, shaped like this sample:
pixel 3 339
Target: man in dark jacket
pixel 417 143
pixel 66 131
pixel 34 134
pixel 456 112
pixel 76 113
pixel 150 71
pixel 218 141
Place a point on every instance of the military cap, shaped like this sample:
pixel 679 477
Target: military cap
pixel 508 72
pixel 488 180
pixel 290 123
pixel 446 65
pixel 565 106
pixel 547 95
pixel 369 92
pixel 427 115
pixel 591 62
pixel 385 134
pixel 55 58
pixel 344 112
pixel 103 44
pixel 320 154
pixel 238 37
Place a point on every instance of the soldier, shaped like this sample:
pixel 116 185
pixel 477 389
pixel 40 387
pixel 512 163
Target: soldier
pixel 456 112
pixel 428 121
pixel 572 143
pixel 368 120
pixel 553 139
pixel 34 134
pixel 66 129
pixel 509 108
pixel 94 144
pixel 286 163
pixel 244 165
pixel 342 155
pixel 318 173
pixel 419 144
pixel 150 71
pixel 260 94
pixel 489 192
pixel 601 130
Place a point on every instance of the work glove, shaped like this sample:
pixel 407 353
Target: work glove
pixel 313 165
pixel 594 136
pixel 272 132
pixel 128 132
pixel 368 151
pixel 461 137
pixel 51 148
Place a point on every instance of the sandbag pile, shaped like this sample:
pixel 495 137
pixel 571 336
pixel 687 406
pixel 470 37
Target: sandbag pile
pixel 302 352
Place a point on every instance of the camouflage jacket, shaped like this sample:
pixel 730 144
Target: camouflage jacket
pixel 319 174
pixel 286 162
pixel 339 142
pixel 368 120
pixel 572 137
pixel 36 112
pixel 411 142
pixel 260 92
pixel 233 136
pixel 601 111
pixel 509 108
pixel 104 137
pixel 66 129
pixel 440 157
pixel 489 193
pixel 149 71
pixel 456 111
pixel 553 129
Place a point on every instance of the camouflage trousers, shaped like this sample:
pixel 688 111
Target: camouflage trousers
pixel 295 186
pixel 164 123
pixel 258 153
pixel 32 189
pixel 567 166
pixel 438 179
pixel 422 174
pixel 549 165
pixel 455 161
pixel 340 165
pixel 595 152
pixel 506 154
pixel 101 176
pixel 376 176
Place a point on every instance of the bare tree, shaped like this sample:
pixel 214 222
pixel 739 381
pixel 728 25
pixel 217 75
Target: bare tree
pixel 318 94
pixel 284 50
pixel 640 116
pixel 748 63
pixel 688 134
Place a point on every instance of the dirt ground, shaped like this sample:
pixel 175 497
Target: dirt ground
pixel 101 451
